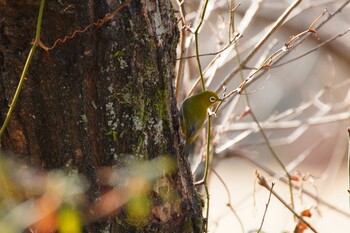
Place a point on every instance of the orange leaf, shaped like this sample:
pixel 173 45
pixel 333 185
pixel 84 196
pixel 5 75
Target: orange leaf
pixel 46 208
pixel 306 213
pixel 300 227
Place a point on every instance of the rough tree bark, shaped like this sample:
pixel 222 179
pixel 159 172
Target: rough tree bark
pixel 115 79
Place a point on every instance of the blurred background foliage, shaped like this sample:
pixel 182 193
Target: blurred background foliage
pixel 33 200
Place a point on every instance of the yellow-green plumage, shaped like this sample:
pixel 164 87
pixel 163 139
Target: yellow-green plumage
pixel 193 113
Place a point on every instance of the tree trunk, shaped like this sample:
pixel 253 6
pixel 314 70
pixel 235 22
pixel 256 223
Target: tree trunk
pixel 103 96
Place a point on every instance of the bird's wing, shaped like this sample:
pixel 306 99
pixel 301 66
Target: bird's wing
pixel 194 122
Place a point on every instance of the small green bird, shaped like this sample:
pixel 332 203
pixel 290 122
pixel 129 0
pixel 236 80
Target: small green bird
pixel 193 113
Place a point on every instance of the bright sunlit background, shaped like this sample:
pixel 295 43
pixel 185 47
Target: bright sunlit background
pixel 304 107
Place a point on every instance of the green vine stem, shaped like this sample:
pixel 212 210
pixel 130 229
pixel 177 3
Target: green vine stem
pixel 25 70
pixel 206 172
pixel 196 41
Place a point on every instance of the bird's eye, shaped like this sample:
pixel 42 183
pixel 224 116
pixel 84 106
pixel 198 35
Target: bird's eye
pixel 212 99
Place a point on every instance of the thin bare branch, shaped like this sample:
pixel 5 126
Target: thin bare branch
pixel 229 205
pixel 197 45
pixel 256 48
pixel 266 207
pixel 284 180
pixel 231 42
pixel 303 38
pixel 313 49
pixel 343 116
pixel 263 183
pixel 182 47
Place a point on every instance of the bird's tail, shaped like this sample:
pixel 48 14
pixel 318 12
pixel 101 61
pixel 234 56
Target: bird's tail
pixel 187 148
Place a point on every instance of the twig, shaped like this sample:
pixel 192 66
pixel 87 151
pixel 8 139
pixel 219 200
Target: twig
pixel 215 59
pixel 273 28
pixel 330 15
pixel 197 45
pixel 233 37
pixel 287 46
pixel 274 154
pixel 231 42
pixel 284 180
pixel 266 207
pixel 312 50
pixel 229 112
pixel 229 205
pixel 181 45
pixel 263 183
pixel 275 121
pixel 231 29
pixel 342 116
pixel 206 171
pixel 301 40
pixel 263 134
pixel 267 63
